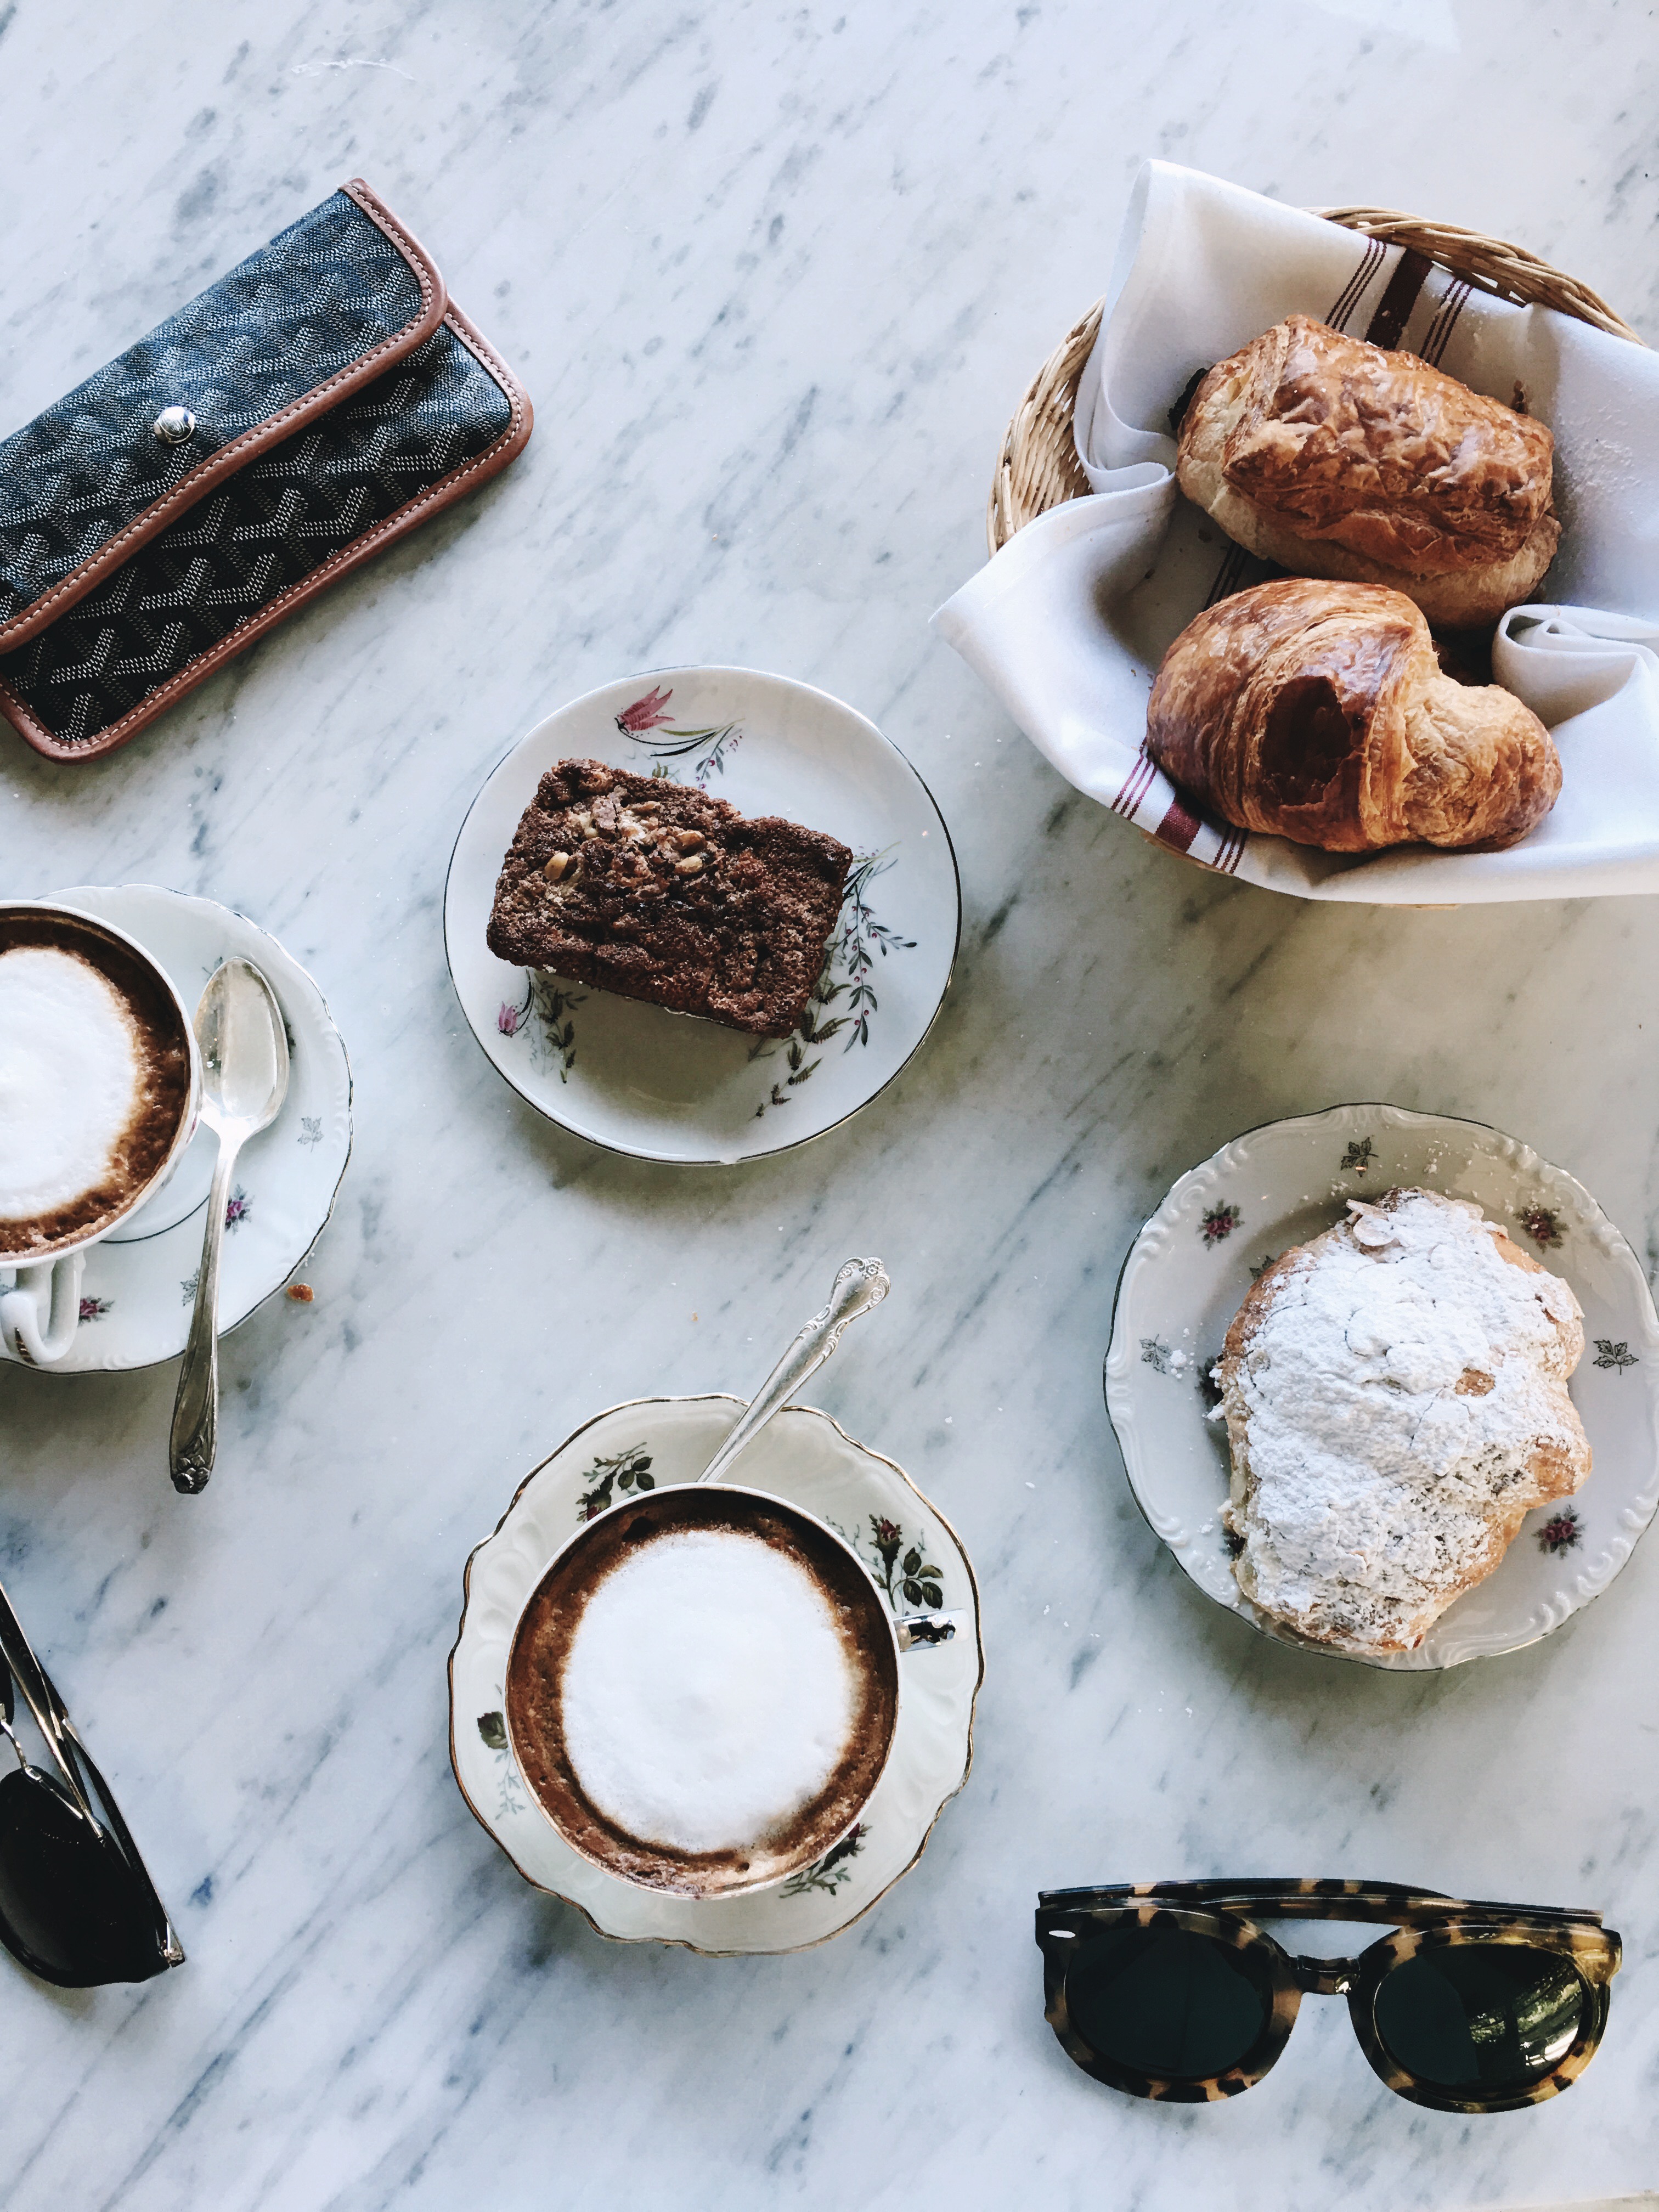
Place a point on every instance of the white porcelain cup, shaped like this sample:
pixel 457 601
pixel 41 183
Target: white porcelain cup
pixel 40 1291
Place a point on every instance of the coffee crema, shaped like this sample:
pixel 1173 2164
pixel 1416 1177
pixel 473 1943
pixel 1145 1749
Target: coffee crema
pixel 94 1079
pixel 702 1691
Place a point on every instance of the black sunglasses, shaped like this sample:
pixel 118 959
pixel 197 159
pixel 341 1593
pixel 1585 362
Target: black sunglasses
pixel 76 1905
pixel 1170 1990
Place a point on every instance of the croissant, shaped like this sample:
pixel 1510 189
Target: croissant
pixel 1334 458
pixel 1395 1393
pixel 1318 712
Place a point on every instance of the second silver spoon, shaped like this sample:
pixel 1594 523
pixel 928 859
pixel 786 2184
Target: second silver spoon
pixel 243 1048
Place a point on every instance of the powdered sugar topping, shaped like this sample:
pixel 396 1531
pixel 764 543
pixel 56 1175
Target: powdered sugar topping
pixel 1399 1403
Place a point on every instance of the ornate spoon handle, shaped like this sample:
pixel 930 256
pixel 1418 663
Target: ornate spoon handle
pixel 860 1285
pixel 195 1438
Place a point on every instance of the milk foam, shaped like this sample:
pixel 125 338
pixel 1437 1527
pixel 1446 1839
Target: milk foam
pixel 71 1067
pixel 707 1693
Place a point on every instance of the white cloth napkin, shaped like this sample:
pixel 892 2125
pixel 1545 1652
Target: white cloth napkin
pixel 1068 622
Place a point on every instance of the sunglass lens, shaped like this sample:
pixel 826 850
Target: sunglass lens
pixel 1480 2015
pixel 70 1907
pixel 1167 2001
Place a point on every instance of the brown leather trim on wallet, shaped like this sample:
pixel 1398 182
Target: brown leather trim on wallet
pixel 229 459
pixel 420 509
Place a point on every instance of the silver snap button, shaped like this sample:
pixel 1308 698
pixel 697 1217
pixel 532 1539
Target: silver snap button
pixel 174 425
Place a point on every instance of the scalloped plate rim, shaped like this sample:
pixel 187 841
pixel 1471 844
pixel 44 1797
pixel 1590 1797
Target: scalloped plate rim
pixel 681 1943
pixel 1117 1366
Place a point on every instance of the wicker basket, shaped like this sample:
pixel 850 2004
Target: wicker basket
pixel 1038 467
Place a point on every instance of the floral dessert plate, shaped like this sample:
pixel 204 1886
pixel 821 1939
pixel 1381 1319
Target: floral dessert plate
pixel 914 1558
pixel 140 1280
pixel 1191 1267
pixel 664 1086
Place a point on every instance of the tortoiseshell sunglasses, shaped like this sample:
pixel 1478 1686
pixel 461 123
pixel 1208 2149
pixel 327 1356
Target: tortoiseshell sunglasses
pixel 1170 1990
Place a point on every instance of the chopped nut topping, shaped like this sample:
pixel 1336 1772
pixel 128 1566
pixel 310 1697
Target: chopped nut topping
pixel 614 917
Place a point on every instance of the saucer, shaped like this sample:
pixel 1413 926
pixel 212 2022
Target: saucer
pixel 140 1281
pixel 802 1456
pixel 1191 1267
pixel 663 1086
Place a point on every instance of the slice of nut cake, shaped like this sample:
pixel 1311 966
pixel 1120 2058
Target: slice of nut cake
pixel 656 890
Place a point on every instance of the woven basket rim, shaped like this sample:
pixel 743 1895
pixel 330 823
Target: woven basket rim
pixel 1038 466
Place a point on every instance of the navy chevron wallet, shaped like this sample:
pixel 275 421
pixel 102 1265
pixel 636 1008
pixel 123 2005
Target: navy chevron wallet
pixel 293 419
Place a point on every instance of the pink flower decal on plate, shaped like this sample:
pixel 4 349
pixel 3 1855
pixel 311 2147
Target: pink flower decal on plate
pixel 1219 1222
pixel 509 1017
pixel 647 713
pixel 1561 1533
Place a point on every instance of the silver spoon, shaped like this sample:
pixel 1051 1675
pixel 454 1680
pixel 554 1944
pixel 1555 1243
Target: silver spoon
pixel 858 1285
pixel 244 1049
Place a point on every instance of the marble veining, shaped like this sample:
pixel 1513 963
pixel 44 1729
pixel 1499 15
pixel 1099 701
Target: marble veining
pixel 774 275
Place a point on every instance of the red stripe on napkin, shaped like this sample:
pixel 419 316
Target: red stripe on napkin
pixel 1179 826
pixel 1136 784
pixel 1438 336
pixel 1393 309
pixel 1348 298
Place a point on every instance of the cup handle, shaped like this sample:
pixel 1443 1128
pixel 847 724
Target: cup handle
pixel 55 1285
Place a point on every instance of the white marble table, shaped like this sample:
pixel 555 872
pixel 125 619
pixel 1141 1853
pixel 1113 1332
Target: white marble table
pixel 773 277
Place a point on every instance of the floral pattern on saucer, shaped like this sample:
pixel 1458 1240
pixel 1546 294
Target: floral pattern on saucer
pixel 644 717
pixel 644 1080
pixel 834 1867
pixel 802 1456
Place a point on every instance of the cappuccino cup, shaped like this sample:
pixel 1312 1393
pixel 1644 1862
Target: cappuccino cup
pixel 100 1087
pixel 702 1690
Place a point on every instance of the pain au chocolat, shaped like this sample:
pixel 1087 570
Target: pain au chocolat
pixel 1332 458
pixel 1318 712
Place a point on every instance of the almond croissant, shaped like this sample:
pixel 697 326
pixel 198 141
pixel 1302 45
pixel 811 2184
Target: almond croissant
pixel 1318 712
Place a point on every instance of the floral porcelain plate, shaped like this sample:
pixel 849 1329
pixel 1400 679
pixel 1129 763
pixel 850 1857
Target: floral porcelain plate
pixel 664 1086
pixel 1191 1266
pixel 140 1281
pixel 915 1560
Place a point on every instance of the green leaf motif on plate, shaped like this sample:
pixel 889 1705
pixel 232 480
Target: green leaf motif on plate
pixel 614 1477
